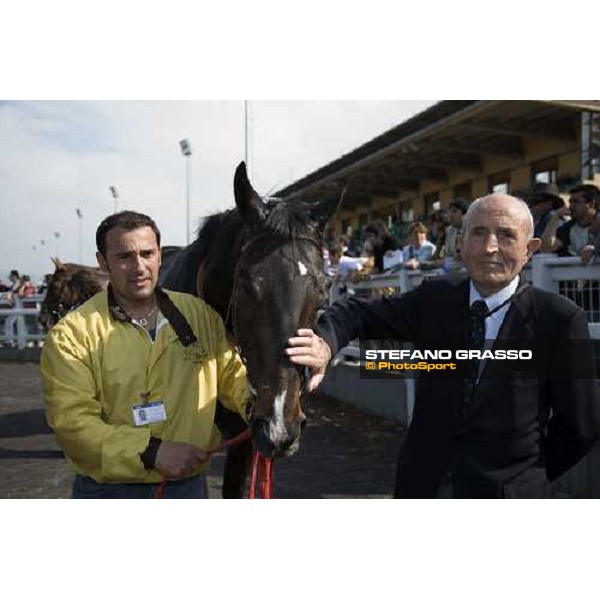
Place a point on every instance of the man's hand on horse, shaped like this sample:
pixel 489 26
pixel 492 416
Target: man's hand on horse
pixel 176 460
pixel 310 350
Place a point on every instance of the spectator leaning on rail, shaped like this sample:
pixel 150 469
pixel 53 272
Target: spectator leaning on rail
pixel 131 377
pixel 575 237
pixel 420 249
pixel 493 430
pixel 377 236
pixel 26 288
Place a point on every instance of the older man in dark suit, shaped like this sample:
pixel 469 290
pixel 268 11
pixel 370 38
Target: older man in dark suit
pixel 495 429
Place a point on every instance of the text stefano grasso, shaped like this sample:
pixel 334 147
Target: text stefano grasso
pixel 498 354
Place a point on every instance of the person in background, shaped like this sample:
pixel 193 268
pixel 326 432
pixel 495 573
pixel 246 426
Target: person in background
pixel 577 235
pixel 13 322
pixel 543 200
pixel 26 288
pixel 456 212
pixel 420 249
pixel 380 241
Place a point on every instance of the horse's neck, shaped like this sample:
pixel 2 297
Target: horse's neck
pixel 216 271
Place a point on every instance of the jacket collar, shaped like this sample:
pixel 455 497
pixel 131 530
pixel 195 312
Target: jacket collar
pixel 167 308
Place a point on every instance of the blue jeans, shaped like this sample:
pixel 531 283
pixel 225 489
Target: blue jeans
pixel 86 488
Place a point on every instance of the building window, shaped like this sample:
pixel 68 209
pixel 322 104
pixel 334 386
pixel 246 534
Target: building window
pixel 545 171
pixel 407 213
pixel 590 145
pixel 499 183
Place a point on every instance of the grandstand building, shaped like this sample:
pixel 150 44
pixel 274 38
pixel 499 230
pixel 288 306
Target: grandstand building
pixel 460 149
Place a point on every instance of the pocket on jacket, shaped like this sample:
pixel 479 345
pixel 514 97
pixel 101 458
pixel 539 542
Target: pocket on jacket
pixel 524 403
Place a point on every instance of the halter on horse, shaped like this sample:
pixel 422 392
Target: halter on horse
pixel 260 266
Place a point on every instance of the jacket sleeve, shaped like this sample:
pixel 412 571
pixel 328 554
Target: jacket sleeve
pixel 107 453
pixel 387 318
pixel 574 423
pixel 232 385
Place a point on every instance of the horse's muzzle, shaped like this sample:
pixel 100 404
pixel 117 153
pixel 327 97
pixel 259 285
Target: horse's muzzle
pixel 272 442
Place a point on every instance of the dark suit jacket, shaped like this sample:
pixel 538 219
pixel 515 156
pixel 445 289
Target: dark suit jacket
pixel 527 422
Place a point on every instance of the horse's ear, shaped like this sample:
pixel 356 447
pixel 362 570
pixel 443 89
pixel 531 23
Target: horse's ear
pixel 249 203
pixel 58 264
pixel 322 212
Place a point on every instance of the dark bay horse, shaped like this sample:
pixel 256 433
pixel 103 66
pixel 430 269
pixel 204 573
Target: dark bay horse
pixel 70 286
pixel 260 266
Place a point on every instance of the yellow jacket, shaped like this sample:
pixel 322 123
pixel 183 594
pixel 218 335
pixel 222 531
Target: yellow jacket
pixel 96 367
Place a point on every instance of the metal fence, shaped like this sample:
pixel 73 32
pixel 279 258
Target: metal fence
pixel 19 324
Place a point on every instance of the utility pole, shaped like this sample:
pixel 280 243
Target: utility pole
pixel 186 150
pixel 80 217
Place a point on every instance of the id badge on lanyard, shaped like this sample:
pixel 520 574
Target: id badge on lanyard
pixel 149 412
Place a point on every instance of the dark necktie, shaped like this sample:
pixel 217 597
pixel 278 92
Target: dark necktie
pixel 477 314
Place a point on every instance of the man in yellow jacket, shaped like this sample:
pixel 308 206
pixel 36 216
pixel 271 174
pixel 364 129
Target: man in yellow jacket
pixel 131 377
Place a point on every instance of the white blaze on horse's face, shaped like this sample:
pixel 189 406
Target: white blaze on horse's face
pixel 302 268
pixel 277 429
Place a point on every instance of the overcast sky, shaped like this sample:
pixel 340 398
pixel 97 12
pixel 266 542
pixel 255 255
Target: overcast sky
pixel 57 156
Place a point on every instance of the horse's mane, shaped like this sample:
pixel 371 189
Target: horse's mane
pixel 72 267
pixel 223 226
pixel 289 219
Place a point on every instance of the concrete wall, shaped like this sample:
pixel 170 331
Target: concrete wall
pixel 382 397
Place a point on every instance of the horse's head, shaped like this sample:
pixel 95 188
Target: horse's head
pixel 278 287
pixel 70 286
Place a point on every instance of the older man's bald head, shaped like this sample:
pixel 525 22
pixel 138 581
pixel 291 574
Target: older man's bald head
pixel 497 241
pixel 515 206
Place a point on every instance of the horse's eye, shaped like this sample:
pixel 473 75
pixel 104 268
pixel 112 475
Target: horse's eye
pixel 246 285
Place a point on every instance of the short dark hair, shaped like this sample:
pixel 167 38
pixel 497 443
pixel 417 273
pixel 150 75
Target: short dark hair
pixel 377 228
pixel 461 205
pixel 590 192
pixel 126 219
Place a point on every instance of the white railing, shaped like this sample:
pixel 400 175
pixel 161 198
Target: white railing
pixel 19 325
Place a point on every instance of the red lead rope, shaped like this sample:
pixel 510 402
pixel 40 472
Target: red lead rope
pixel 262 468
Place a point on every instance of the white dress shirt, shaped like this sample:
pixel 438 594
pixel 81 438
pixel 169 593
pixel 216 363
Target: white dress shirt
pixel 494 322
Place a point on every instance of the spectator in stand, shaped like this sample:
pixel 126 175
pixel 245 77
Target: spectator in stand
pixel 441 224
pixel 420 249
pixel 26 288
pixel 575 237
pixel 15 280
pixel 543 201
pixel 14 301
pixel 456 212
pixel 344 267
pixel 380 241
